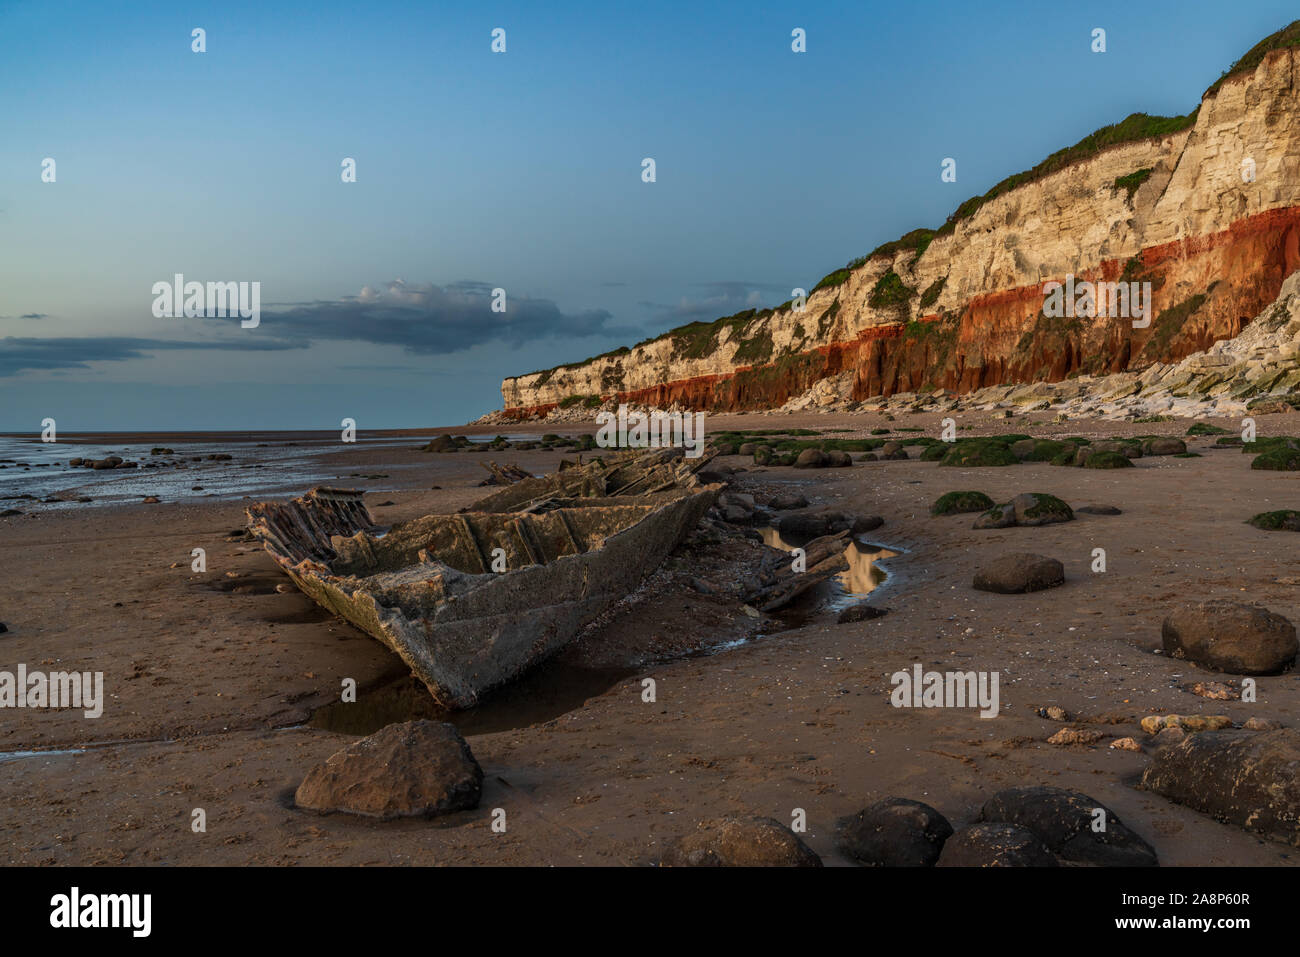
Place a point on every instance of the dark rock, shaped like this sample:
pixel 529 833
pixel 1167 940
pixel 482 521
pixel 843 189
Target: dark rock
pixel 740 842
pixel 860 611
pixel 995 845
pixel 3 629
pixel 816 522
pixel 892 451
pixel 442 443
pixel 1099 510
pixel 837 460
pixel 895 832
pixel 418 768
pixel 1231 636
pixel 1019 572
pixel 1247 778
pixel 1063 820
pixel 10 511
pixel 786 501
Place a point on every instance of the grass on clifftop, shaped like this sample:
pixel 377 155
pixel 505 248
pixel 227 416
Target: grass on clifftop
pixel 1288 36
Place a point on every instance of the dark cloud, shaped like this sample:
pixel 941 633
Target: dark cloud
pixel 427 319
pixel 19 354
pixel 719 299
pixel 34 315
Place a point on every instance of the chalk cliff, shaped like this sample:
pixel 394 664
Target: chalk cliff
pixel 1205 207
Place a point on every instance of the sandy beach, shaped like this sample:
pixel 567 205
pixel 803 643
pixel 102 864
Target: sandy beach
pixel 212 679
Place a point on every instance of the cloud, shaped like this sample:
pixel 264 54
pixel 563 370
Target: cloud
pixel 20 354
pixel 722 299
pixel 29 315
pixel 426 319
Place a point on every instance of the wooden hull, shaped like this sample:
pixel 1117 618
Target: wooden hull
pixel 426 588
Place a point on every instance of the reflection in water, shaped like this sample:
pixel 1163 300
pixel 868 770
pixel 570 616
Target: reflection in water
pixel 862 576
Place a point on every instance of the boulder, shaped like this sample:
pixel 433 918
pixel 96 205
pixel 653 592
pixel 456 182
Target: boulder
pixel 1232 637
pixel 837 460
pixel 811 459
pixel 786 501
pixel 892 451
pixel 816 522
pixel 1164 446
pixel 740 842
pixel 1064 821
pixel 895 832
pixel 1019 572
pixel 413 769
pixel 953 503
pixel 1247 778
pixel 442 443
pixel 987 844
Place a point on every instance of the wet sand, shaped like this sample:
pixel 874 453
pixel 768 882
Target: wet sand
pixel 211 678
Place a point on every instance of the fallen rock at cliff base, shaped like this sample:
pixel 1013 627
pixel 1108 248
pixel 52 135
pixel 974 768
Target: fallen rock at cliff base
pixel 1247 778
pixel 1019 572
pixel 895 832
pixel 1063 820
pixel 1232 637
pixel 995 845
pixel 740 842
pixel 413 769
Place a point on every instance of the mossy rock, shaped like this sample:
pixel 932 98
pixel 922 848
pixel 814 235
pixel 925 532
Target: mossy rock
pixel 953 503
pixel 1066 456
pixel 1188 455
pixel 1108 460
pixel 1204 428
pixel 1286 519
pixel 935 453
pixel 763 455
pixel 1046 450
pixel 1039 508
pixel 1269 443
pixel 1278 459
pixel 979 453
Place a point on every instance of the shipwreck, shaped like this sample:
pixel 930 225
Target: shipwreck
pixel 471 600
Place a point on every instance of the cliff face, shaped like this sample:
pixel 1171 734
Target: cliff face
pixel 967 312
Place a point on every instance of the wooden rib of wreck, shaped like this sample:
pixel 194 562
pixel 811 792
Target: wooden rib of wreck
pixel 426 587
pixel 612 474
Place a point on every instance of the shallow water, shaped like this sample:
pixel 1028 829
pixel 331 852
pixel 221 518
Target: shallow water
pixel 261 464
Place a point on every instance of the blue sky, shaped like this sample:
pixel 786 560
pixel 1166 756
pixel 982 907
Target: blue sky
pixel 478 170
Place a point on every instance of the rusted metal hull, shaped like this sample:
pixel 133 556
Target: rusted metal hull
pixel 428 590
